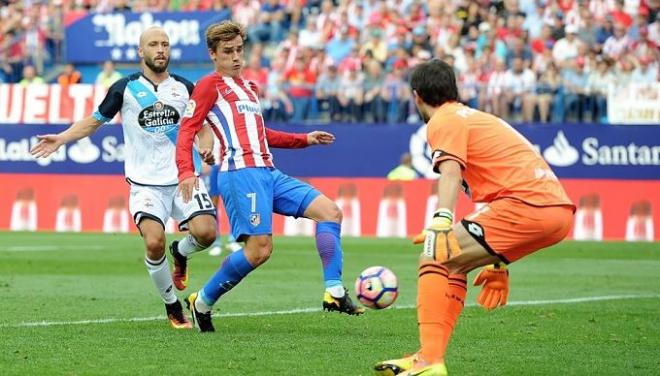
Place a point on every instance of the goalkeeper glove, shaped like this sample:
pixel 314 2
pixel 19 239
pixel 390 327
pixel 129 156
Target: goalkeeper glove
pixel 441 219
pixel 495 290
pixel 440 243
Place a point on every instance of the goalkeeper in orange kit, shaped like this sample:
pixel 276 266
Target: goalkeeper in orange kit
pixel 526 210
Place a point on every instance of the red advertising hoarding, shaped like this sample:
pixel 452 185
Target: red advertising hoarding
pixel 607 209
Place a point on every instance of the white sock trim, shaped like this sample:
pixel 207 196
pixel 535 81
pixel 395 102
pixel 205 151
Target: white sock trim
pixel 200 304
pixel 336 291
pixel 188 246
pixel 159 271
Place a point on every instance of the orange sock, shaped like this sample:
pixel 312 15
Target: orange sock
pixel 432 289
pixel 455 303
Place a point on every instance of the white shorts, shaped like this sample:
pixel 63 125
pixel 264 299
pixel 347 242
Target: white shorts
pixel 162 202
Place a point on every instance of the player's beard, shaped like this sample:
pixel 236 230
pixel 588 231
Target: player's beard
pixel 151 64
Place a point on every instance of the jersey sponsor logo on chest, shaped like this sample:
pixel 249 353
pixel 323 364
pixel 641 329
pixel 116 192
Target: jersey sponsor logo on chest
pixel 158 118
pixel 245 107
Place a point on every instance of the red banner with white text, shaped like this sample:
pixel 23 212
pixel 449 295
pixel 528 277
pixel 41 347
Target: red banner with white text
pixel 607 209
pixel 48 104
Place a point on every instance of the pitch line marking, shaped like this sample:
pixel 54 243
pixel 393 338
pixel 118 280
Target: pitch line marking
pixel 49 248
pixel 585 299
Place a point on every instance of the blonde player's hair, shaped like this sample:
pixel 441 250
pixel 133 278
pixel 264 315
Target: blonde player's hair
pixel 223 32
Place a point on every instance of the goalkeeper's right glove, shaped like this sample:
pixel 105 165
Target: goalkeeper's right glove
pixel 439 240
pixel 442 219
pixel 495 290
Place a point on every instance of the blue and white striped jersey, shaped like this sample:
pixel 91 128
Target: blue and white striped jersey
pixel 150 117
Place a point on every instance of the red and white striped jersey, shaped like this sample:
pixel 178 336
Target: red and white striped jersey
pixel 232 109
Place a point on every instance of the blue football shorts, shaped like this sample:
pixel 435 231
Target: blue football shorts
pixel 252 195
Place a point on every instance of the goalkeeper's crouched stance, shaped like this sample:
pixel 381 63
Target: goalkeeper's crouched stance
pixel 526 210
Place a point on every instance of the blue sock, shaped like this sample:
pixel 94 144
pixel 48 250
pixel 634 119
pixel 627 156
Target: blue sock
pixel 328 244
pixel 233 270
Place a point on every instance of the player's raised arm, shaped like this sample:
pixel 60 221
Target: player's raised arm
pixel 49 143
pixel 108 108
pixel 201 102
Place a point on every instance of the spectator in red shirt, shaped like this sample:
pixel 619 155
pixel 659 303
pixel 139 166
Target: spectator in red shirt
pixel 300 81
pixel 351 62
pixel 620 16
pixel 544 41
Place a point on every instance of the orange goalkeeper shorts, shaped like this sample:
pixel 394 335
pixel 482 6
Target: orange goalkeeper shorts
pixel 511 229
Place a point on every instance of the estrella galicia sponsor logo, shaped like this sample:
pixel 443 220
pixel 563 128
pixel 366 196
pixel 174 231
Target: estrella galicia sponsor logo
pixel 158 118
pixel 248 107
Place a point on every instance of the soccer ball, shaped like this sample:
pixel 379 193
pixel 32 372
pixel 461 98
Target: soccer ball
pixel 377 287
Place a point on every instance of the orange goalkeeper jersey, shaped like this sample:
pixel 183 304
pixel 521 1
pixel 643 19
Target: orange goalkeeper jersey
pixel 497 161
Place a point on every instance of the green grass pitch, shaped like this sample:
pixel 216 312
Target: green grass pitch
pixel 84 305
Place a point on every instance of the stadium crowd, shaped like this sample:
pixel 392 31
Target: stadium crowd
pixel 524 60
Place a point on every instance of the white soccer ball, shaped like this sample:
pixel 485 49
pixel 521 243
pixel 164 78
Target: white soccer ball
pixel 377 287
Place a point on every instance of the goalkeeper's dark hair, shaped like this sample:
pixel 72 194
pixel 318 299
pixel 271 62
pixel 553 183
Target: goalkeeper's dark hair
pixel 223 32
pixel 435 82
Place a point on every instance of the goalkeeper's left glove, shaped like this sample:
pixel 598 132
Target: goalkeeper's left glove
pixel 439 240
pixel 495 290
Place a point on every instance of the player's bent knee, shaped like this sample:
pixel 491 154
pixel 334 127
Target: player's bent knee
pixel 333 213
pixel 155 247
pixel 261 255
pixel 258 250
pixel 206 236
pixel 322 209
pixel 559 223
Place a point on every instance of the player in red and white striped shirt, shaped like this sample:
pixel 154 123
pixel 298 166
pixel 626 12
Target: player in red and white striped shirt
pixel 252 189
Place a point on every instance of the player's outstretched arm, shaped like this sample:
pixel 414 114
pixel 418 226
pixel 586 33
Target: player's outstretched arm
pixel 286 140
pixel 320 138
pixel 49 143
